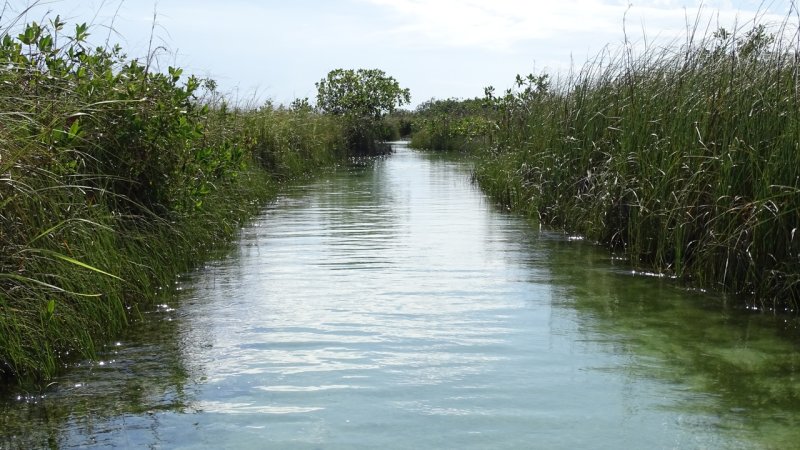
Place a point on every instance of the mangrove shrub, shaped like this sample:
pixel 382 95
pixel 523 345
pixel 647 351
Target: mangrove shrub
pixel 361 98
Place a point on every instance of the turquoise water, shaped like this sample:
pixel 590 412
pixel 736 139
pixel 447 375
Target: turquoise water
pixel 389 304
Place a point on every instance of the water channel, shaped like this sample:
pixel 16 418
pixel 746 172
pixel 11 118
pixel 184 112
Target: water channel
pixel 391 305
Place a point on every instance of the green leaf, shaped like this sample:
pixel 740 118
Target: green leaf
pixel 175 73
pixel 57 23
pixel 74 129
pixel 45 43
pixel 65 222
pixel 28 280
pixel 74 261
pixel 81 32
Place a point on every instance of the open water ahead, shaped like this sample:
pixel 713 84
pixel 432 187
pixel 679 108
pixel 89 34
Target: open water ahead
pixel 390 305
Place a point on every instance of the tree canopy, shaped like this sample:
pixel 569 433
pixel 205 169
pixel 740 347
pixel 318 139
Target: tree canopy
pixel 362 93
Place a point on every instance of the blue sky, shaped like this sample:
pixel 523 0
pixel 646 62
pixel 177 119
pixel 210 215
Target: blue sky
pixel 278 49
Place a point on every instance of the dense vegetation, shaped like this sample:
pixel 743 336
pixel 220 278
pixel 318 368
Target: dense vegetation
pixel 452 125
pixel 361 98
pixel 115 177
pixel 686 159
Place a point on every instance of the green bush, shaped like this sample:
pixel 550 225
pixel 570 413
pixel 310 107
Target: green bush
pixel 451 125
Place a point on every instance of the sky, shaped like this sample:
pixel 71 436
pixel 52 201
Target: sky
pixel 278 49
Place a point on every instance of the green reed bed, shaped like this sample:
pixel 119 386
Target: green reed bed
pixel 686 158
pixel 114 178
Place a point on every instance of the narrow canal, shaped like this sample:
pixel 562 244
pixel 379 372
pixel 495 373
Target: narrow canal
pixel 391 305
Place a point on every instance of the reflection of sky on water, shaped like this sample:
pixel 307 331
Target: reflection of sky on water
pixel 393 307
pixel 397 298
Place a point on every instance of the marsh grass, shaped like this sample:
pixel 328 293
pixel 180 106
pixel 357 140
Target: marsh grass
pixel 685 158
pixel 114 178
pixel 451 125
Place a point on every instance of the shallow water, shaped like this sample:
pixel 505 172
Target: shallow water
pixel 391 305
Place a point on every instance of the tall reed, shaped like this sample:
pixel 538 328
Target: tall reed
pixel 686 158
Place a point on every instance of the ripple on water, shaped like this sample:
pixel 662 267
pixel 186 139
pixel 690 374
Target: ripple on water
pixel 393 306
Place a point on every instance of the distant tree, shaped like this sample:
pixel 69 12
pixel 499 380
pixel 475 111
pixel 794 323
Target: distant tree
pixel 362 98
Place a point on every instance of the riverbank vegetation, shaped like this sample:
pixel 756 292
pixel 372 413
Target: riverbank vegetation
pixel 453 125
pixel 114 178
pixel 686 158
pixel 362 99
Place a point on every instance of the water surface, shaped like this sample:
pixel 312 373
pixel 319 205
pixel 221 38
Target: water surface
pixel 390 305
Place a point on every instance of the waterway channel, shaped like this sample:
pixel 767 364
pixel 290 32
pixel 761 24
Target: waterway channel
pixel 389 304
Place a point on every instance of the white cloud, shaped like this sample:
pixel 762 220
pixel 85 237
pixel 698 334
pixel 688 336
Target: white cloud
pixel 499 24
pixel 441 48
pixel 504 24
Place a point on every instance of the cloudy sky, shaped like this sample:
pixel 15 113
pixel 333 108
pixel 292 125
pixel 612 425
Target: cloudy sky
pixel 278 49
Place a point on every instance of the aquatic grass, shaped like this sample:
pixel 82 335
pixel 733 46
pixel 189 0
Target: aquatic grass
pixel 685 158
pixel 288 141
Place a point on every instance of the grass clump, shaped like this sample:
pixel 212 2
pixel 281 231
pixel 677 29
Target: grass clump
pixel 115 177
pixel 686 158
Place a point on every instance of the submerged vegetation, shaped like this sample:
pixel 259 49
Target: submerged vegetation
pixel 686 159
pixel 114 178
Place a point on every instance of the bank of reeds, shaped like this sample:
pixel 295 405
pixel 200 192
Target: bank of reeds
pixel 686 158
pixel 452 125
pixel 114 178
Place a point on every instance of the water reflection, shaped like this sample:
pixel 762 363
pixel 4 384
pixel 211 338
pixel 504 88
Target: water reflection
pixel 737 367
pixel 388 305
pixel 137 378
